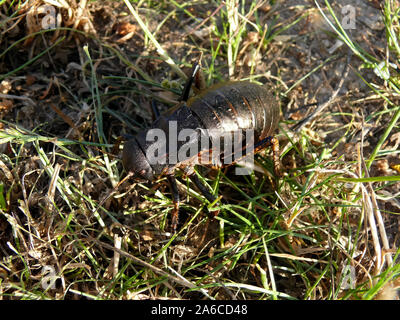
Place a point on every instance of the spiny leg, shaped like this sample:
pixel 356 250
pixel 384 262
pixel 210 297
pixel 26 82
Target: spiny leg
pixel 276 155
pixel 189 82
pixel 204 190
pixel 176 200
pixel 273 142
pixel 196 77
pixel 264 143
pixel 199 81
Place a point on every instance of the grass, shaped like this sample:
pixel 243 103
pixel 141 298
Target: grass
pixel 324 230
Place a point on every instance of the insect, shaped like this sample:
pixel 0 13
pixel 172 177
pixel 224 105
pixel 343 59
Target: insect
pixel 219 111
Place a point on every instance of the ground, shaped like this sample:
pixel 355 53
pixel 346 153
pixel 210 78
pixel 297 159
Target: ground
pixel 327 229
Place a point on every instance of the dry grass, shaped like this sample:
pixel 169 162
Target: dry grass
pixel 328 229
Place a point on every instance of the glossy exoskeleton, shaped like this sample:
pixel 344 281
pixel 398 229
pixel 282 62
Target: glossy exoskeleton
pixel 223 108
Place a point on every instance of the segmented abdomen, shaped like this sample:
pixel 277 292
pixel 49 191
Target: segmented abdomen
pixel 235 106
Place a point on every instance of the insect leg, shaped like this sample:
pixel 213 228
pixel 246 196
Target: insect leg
pixel 274 143
pixel 176 200
pixel 199 81
pixel 270 141
pixel 189 82
pixel 155 110
pixel 204 190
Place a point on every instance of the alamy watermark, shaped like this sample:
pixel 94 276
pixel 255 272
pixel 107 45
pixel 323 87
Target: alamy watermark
pixel 51 19
pixel 49 277
pixel 348 17
pixel 348 278
pixel 201 146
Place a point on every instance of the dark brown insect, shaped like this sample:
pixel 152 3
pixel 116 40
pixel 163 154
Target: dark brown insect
pixel 219 111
